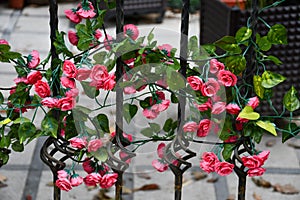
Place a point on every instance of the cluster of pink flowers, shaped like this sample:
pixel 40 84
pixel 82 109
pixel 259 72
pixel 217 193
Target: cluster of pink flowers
pixel 157 105
pixel 210 163
pixel 92 145
pixel 254 163
pixel 160 164
pixel 66 181
pixel 84 10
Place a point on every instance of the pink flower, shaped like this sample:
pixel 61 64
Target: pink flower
pixel 264 155
pixel 210 88
pixel 2 41
pixel 190 127
pixel 94 145
pixel 63 184
pixel 103 169
pixel 21 80
pixel 227 78
pixel 88 166
pixel 50 102
pixel 195 82
pixel 109 83
pixel 131 30
pixel 42 89
pixel 33 59
pixel 159 165
pixel 99 73
pixel 34 76
pixel 208 162
pixel 76 180
pixel 72 15
pixel 218 108
pixel 68 82
pixel 73 38
pixel 224 168
pixel 83 74
pixel 92 179
pixel 72 93
pixel 124 157
pixel 108 180
pixel 160 149
pixel 256 171
pixel 86 10
pixel 205 106
pixel 166 49
pixel 66 103
pixel 215 66
pixel 78 142
pixel 204 127
pixel 62 174
pixel 252 162
pixel 108 42
pixel 69 69
pixel 129 90
pixel 163 105
pixel 253 102
pixel 150 114
pixel 233 108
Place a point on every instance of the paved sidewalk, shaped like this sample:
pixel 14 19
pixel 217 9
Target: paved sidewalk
pixel 27 176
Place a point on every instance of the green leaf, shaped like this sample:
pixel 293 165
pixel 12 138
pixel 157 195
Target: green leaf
pixel 148 132
pixel 227 151
pixel 4 48
pixel 174 75
pixel 168 125
pixel 248 113
pixel 90 91
pixel 268 126
pixel 290 127
pixel 85 37
pixel 274 59
pixel 101 154
pixel 1 98
pixel 17 146
pixel 291 101
pixel 228 43
pixel 49 126
pixel 258 88
pixel 150 37
pixel 12 55
pixel 60 45
pixel 155 127
pixel 236 64
pixel 21 120
pixel 129 111
pixel 264 44
pixel 174 99
pixel 243 34
pixel 5 141
pixel 103 122
pixel 4 157
pixel 100 57
pixel 26 130
pixel 209 48
pixel 271 79
pixel 5 121
pixel 277 34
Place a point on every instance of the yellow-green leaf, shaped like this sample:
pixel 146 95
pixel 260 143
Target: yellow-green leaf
pixel 248 113
pixel 5 121
pixel 268 126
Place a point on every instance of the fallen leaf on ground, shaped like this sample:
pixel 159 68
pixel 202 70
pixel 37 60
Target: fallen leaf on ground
pixel 260 182
pixel 144 176
pixel 231 197
pixel 212 180
pixel 270 143
pixel 285 189
pixel 198 175
pixel 147 187
pixel 3 178
pixel 126 190
pixel 256 196
pixel 50 184
pixel 294 145
pixel 101 195
pixel 2 185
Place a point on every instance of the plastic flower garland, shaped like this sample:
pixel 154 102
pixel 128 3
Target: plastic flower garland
pixel 152 83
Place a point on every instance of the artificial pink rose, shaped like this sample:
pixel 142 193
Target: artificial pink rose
pixel 34 76
pixel 233 108
pixel 166 49
pixel 204 127
pixel 63 184
pixel 195 82
pixel 108 180
pixel 33 59
pixel 98 34
pixel 252 162
pixel 129 90
pixel 76 180
pixel 128 137
pixel 69 69
pixel 150 114
pixel 99 73
pixel 108 41
pixel 218 108
pixel 190 127
pixel 159 96
pixel 205 106
pixel 78 142
pixel 131 30
pixel 2 41
pixel 215 66
pixel 72 93
pixel 62 174
pixel 109 83
pixel 163 105
pixel 86 10
pixel 256 171
pixel 253 102
pixel 88 166
pixel 66 103
pixel 21 80
pixel 50 102
pixel 227 78
pixel 42 89
pixel 241 120
pixel 159 165
pixel 83 74
pixel 208 161
pixel 67 82
pixel 73 16
pixel 73 38
pixel 264 155
pixel 94 145
pixel 92 179
pixel 103 169
pixel 160 149
pixel 210 88
pixel 224 168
